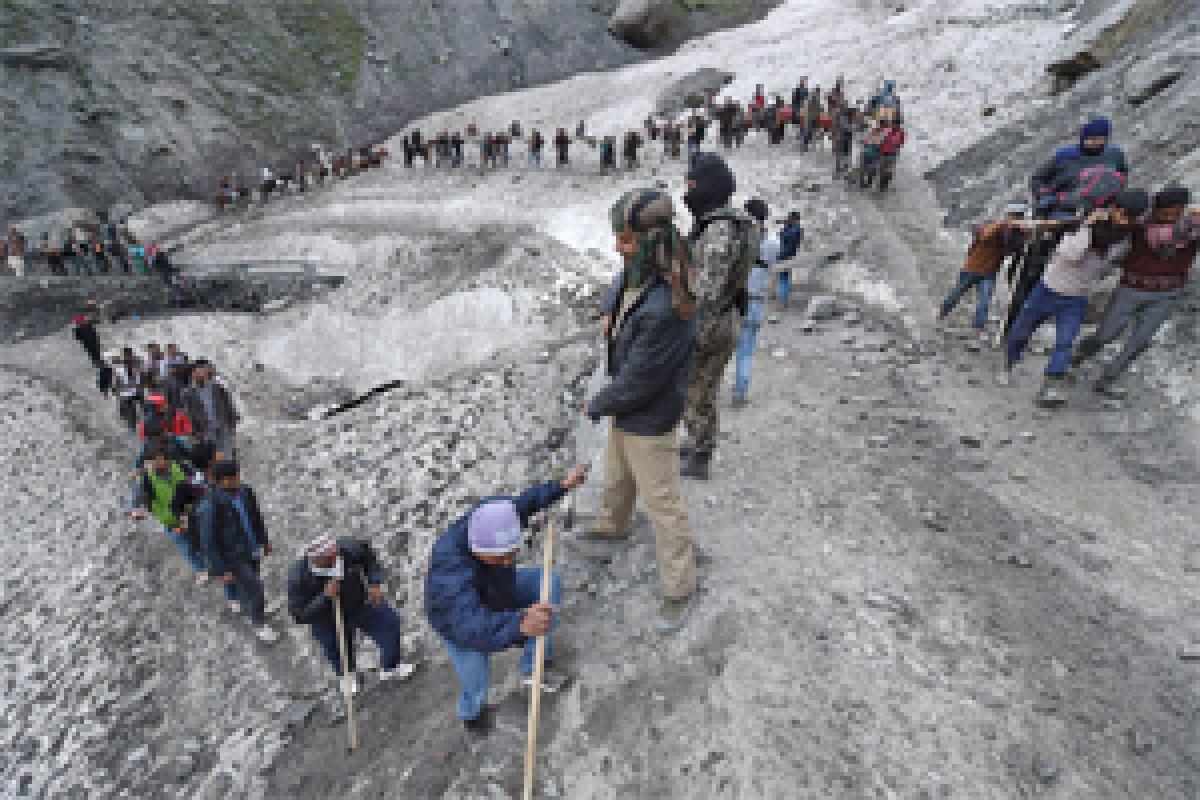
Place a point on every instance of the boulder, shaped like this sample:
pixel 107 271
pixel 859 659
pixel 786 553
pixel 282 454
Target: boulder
pixel 691 90
pixel 1096 42
pixel 48 54
pixel 642 23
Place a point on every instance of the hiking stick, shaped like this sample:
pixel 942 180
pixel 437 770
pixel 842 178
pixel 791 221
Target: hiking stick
pixel 1012 291
pixel 347 686
pixel 539 654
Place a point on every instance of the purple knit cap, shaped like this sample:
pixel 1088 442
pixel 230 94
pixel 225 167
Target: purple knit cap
pixel 494 528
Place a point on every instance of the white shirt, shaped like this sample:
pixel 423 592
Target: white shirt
pixel 1075 268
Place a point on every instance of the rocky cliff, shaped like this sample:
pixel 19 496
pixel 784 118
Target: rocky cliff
pixel 1133 61
pixel 134 101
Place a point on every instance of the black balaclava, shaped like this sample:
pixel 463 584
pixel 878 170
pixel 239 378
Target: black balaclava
pixel 715 185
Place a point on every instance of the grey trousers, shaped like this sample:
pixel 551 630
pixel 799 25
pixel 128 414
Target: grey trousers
pixel 1147 310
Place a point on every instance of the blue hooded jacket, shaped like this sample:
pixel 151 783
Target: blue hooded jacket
pixel 473 604
pixel 1061 172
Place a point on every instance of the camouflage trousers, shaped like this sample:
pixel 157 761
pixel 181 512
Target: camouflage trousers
pixel 715 345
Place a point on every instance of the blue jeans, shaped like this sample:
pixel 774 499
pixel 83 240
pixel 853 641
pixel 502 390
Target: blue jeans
pixel 380 622
pixel 984 286
pixel 190 553
pixel 248 586
pixel 474 668
pixel 744 358
pixel 784 285
pixel 1044 303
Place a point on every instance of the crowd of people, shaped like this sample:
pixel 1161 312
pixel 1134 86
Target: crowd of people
pixel 683 306
pixel 1086 222
pixel 84 248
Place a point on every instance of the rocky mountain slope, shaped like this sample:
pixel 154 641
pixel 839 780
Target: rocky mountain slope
pixel 1134 61
pixel 913 584
pixel 109 102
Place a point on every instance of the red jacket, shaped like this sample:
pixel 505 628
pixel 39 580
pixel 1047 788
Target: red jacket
pixel 1161 269
pixel 893 140
pixel 180 425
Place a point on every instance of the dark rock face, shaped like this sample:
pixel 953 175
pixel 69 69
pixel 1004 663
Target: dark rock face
pixel 642 23
pixel 1133 61
pixel 111 102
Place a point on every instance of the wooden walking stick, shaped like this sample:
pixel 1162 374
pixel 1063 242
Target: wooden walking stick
pixel 539 654
pixel 347 679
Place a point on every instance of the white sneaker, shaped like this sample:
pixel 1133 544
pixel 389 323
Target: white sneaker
pixel 234 607
pixel 397 673
pixel 266 634
pixel 201 578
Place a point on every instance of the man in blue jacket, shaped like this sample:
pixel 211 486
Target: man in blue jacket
pixel 234 536
pixel 479 602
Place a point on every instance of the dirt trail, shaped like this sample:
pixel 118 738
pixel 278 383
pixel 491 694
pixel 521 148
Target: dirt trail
pixel 913 584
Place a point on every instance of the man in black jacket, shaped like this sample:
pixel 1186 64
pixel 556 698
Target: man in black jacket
pixel 651 334
pixel 235 540
pixel 346 568
pixel 85 333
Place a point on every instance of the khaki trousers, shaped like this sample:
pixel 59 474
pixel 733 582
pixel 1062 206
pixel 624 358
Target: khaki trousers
pixel 650 464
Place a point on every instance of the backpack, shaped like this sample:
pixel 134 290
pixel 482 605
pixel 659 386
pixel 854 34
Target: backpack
pixel 749 242
pixel 1093 188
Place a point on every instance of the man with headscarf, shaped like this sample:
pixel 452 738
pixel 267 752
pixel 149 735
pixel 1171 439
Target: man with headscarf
pixel 1080 261
pixel 1153 277
pixel 725 246
pixel 649 325
pixel 480 602
pixel 349 569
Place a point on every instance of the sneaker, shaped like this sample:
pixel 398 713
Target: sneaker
pixel 671 614
pixel 266 634
pixel 397 673
pixel 739 401
pixel 339 689
pixel 480 726
pixel 201 578
pixel 552 680
pixel 1053 392
pixel 234 607
pixel 696 466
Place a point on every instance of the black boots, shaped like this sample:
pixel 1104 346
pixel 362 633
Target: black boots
pixel 696 466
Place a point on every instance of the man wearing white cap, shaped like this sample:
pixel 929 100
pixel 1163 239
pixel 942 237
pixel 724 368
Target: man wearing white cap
pixel 349 569
pixel 479 602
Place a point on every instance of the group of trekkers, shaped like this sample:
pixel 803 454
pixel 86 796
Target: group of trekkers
pixel 233 190
pixel 107 248
pixel 876 125
pixel 1086 223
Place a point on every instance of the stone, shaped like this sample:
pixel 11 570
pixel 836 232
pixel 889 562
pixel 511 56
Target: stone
pixel 690 90
pixel 1189 652
pixel 822 307
pixel 641 23
pixel 1045 770
pixel 49 54
pixel 970 440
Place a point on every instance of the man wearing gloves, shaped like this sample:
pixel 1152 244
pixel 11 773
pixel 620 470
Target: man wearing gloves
pixel 480 603
pixel 650 337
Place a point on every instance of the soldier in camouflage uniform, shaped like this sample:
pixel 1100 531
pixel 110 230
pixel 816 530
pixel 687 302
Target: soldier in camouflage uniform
pixel 724 245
